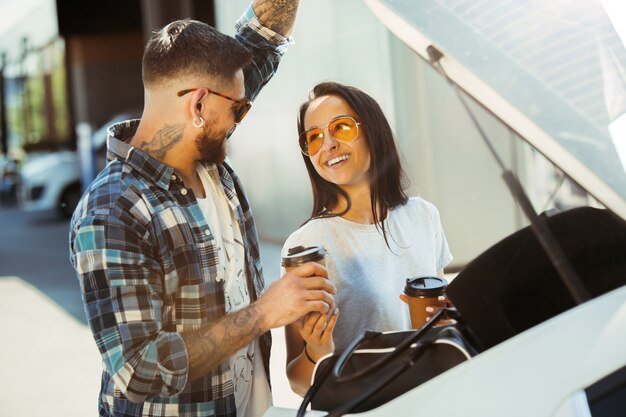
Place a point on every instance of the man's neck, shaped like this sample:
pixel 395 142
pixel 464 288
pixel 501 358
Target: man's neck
pixel 164 142
pixel 158 140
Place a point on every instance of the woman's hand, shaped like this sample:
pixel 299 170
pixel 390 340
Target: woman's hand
pixel 317 332
pixel 307 340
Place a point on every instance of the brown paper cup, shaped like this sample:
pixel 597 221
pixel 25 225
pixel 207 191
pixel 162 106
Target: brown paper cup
pixel 424 292
pixel 417 308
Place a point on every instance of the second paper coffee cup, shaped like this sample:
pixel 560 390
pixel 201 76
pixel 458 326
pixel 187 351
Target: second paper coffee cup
pixel 423 292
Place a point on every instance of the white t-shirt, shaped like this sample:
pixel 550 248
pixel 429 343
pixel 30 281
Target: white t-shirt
pixel 252 394
pixel 368 275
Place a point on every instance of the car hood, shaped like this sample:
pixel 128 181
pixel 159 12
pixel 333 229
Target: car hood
pixel 554 72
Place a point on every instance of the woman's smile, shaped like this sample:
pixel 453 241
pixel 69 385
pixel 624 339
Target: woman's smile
pixel 337 160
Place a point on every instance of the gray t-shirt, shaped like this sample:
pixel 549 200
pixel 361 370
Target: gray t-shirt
pixel 368 275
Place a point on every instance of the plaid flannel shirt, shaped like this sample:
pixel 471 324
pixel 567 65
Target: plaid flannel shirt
pixel 146 261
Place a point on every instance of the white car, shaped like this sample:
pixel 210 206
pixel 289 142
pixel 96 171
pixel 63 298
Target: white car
pixel 52 182
pixel 546 306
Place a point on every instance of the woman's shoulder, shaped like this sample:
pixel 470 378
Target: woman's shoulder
pixel 419 203
pixel 418 206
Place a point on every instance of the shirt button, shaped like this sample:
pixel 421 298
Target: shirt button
pixel 183 191
pixel 174 177
pixel 206 232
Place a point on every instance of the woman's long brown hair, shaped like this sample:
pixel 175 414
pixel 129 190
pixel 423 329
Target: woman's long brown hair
pixel 387 178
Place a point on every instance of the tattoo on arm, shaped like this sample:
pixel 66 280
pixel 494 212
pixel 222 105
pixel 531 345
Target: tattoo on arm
pixel 216 342
pixel 163 141
pixel 278 15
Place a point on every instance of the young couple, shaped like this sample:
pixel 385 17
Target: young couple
pixel 166 249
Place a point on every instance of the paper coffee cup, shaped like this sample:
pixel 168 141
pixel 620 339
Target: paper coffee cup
pixel 423 292
pixel 300 255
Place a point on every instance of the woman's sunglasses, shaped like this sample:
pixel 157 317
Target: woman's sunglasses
pixel 240 108
pixel 343 128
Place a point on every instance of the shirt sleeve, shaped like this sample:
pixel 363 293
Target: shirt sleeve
pixel 122 288
pixel 267 46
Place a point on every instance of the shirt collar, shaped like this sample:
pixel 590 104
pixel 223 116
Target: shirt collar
pixel 118 148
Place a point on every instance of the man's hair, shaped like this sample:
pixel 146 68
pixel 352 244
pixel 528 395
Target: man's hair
pixel 191 48
pixel 387 178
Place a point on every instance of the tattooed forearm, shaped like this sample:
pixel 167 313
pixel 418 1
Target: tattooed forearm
pixel 278 15
pixel 213 344
pixel 163 141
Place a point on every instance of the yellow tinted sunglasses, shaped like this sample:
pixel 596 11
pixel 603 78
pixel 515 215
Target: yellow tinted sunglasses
pixel 342 128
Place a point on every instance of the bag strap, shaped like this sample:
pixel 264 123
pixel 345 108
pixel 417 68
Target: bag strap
pixel 355 402
pixel 383 360
pixel 401 366
pixel 371 390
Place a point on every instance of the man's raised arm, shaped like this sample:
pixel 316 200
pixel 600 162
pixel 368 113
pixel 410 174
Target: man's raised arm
pixel 278 15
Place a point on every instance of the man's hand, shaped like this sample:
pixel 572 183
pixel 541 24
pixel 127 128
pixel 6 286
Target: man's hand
pixel 300 291
pixel 303 290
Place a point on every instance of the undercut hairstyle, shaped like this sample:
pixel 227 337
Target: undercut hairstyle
pixel 192 48
pixel 387 178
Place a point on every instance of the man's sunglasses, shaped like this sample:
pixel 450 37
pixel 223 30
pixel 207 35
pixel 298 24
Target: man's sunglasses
pixel 343 128
pixel 240 108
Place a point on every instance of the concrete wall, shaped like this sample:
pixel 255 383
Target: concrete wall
pixel 445 157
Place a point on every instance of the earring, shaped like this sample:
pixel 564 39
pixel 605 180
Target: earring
pixel 199 124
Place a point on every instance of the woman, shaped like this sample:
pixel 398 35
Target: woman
pixel 375 235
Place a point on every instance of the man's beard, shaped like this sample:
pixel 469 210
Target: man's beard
pixel 211 145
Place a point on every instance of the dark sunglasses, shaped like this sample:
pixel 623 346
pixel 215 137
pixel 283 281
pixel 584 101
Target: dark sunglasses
pixel 240 108
pixel 343 128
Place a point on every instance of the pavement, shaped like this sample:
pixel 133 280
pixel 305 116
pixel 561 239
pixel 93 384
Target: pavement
pixel 49 363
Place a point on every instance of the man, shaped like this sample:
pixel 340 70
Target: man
pixel 164 243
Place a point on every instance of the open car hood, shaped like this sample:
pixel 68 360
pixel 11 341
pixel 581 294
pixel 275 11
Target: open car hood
pixel 554 72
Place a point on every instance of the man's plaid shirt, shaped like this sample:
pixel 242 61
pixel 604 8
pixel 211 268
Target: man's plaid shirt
pixel 146 261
